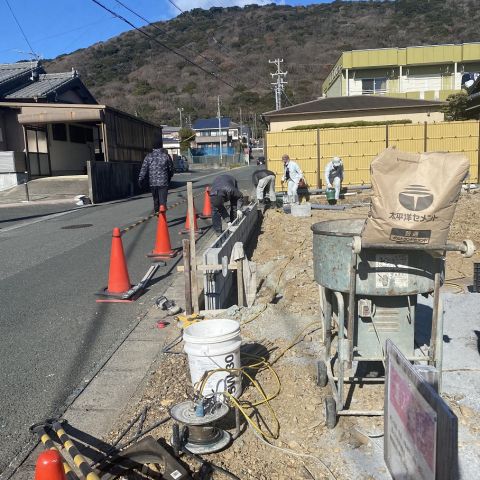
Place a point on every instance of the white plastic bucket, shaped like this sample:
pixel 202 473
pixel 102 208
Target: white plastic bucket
pixel 213 344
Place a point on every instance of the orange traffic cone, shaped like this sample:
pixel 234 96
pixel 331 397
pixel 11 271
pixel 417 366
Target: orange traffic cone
pixel 49 466
pixel 162 248
pixel 207 204
pixel 118 279
pixel 187 222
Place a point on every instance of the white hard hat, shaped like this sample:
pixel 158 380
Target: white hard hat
pixel 336 161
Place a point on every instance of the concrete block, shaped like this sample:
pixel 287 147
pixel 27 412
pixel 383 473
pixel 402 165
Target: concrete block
pixel 218 288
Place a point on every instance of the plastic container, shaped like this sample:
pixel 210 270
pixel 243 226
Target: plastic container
pixel 330 194
pixel 213 344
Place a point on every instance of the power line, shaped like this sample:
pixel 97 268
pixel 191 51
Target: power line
pixel 166 47
pixel 279 83
pixel 163 31
pixel 21 29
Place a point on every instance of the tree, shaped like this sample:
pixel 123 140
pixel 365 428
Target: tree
pixel 186 135
pixel 456 107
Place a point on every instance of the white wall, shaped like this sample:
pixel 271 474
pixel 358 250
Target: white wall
pixel 68 157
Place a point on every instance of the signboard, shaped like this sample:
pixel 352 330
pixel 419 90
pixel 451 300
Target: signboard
pixel 420 429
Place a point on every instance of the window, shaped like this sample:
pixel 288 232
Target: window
pixel 59 132
pixel 371 86
pixel 77 134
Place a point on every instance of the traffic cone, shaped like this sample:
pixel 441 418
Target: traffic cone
pixel 207 205
pixel 118 279
pixel 187 222
pixel 162 248
pixel 49 466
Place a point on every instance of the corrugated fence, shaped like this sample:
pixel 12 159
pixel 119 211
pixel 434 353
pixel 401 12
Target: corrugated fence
pixel 358 146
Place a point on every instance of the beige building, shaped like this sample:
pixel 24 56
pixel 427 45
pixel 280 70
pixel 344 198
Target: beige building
pixel 430 72
pixel 354 108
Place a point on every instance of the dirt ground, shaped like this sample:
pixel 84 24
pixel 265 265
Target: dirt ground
pixel 283 327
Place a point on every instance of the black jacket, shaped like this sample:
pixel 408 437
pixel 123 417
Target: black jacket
pixel 259 174
pixel 225 187
pixel 159 167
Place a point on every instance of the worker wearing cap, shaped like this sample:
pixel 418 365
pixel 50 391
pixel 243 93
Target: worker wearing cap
pixel 224 190
pixel 263 179
pixel 292 174
pixel 334 175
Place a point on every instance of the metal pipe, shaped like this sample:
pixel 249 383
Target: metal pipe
pixel 433 336
pixel 439 347
pixel 449 247
pixel 328 324
pixel 341 336
pixel 368 413
pixel 351 305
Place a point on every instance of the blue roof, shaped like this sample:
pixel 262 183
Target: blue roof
pixel 211 123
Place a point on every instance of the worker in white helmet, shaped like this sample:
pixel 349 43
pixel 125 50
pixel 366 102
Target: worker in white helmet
pixel 334 175
pixel 292 174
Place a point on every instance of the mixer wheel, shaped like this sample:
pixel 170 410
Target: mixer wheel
pixel 322 378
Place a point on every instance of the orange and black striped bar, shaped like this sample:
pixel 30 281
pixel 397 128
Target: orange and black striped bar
pixel 50 445
pixel 78 459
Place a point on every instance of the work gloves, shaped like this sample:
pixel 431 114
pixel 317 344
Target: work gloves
pixel 239 214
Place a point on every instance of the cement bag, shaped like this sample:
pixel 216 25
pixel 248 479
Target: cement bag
pixel 414 196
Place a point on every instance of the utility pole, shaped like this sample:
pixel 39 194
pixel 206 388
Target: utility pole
pixel 180 110
pixel 241 126
pixel 279 82
pixel 255 125
pixel 219 128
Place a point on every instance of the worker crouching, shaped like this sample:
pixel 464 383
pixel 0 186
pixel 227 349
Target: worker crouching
pixel 225 190
pixel 263 180
pixel 334 175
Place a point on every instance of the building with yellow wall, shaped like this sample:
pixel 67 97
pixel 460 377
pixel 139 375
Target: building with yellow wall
pixel 425 72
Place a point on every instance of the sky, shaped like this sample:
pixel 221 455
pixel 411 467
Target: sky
pixel 54 27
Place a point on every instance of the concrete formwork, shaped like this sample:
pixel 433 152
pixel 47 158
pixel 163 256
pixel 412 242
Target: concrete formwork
pixel 218 287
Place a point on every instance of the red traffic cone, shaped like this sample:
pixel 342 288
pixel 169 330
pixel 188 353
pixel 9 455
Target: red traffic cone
pixel 162 248
pixel 49 466
pixel 207 204
pixel 118 279
pixel 187 222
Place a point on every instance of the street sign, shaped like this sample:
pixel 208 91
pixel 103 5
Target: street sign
pixel 421 432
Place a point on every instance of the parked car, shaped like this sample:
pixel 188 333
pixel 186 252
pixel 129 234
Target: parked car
pixel 261 161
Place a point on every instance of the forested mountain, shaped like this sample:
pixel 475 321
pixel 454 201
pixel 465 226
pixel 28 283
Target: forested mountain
pixel 136 74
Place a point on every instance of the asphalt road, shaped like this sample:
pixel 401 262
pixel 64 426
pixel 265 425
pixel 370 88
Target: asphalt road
pixel 53 334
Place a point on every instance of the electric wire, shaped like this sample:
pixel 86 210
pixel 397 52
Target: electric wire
pixel 20 28
pixel 156 27
pixel 166 47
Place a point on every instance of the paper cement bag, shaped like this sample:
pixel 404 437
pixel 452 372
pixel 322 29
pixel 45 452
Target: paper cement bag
pixel 414 196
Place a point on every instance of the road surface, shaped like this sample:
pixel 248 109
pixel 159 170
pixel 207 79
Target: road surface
pixel 53 335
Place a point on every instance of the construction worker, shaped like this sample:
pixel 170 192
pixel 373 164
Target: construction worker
pixel 334 175
pixel 224 189
pixel 292 174
pixel 263 179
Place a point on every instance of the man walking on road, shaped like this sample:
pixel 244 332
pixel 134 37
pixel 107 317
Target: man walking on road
pixel 158 165
pixel 263 179
pixel 225 189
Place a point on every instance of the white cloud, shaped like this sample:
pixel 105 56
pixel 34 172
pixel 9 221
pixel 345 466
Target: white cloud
pixel 207 4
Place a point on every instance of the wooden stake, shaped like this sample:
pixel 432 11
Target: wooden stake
pixel 193 252
pixel 240 282
pixel 187 276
